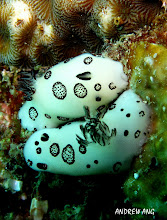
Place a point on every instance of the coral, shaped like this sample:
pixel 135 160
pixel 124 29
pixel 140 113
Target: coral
pixel 34 34
pixel 45 32
pixel 114 17
pixel 148 66
pixel 9 51
pixel 42 8
pixel 38 208
pixel 41 49
pixel 71 22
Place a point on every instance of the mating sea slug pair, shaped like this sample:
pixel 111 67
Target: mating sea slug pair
pixel 114 130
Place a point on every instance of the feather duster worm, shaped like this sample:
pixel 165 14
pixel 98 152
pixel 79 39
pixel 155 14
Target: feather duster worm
pixel 42 8
pixel 17 24
pixel 8 48
pixel 67 44
pixel 115 17
pixel 71 22
pixel 41 47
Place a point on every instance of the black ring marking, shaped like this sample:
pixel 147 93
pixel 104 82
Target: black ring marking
pixel 111 86
pixel 141 113
pixel 97 87
pixel 38 150
pixel 54 149
pixel 47 74
pixel 116 166
pixel 80 91
pixel 68 154
pixel 59 90
pixel 137 134
pixel 82 149
pixel 33 114
pixel 88 60
pixel 47 116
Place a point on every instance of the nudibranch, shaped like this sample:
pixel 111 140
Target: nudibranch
pixel 60 95
pixel 107 145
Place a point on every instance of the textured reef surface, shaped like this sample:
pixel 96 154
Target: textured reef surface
pixel 46 32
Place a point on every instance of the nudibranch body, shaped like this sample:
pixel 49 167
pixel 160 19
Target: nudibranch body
pixel 67 87
pixel 69 150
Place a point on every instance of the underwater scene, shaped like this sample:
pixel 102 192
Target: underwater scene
pixel 83 109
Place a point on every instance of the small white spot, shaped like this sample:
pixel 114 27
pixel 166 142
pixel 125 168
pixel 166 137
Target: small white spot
pixel 155 55
pixel 135 192
pixel 152 79
pixel 136 176
pixel 164 108
pixel 149 61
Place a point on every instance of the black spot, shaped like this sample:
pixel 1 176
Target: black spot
pixel 38 150
pixel 62 118
pixel 97 87
pixel 80 91
pixel 154 163
pixel 117 166
pixel 47 116
pixel 36 142
pixel 67 60
pixel 42 166
pixel 54 149
pixel 88 166
pixel 68 154
pixel 84 76
pixel 35 129
pixel 100 108
pixel 88 60
pixel 141 113
pixel 112 106
pixel 82 149
pixel 121 109
pixel 137 101
pixel 137 134
pixel 44 137
pixel 98 99
pixel 96 161
pixel 111 86
pixel 47 74
pixel 45 126
pixel 126 132
pixel 113 132
pixel 59 90
pixel 28 98
pixel 29 162
pixel 33 114
pixel 128 115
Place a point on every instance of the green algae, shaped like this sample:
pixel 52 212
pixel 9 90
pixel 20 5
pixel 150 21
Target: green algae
pixel 148 64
